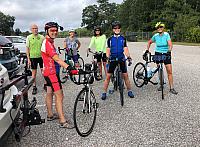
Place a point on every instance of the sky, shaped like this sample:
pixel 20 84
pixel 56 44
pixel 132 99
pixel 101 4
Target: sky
pixel 67 13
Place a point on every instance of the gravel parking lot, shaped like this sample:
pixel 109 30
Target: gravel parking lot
pixel 145 120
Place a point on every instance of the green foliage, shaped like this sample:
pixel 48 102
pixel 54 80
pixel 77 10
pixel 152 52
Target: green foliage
pixel 193 34
pixel 6 24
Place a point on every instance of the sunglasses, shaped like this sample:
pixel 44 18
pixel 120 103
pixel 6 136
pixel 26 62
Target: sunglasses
pixel 97 30
pixel 53 30
pixel 160 27
pixel 35 28
pixel 116 28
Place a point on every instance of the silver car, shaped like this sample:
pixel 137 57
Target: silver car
pixel 19 42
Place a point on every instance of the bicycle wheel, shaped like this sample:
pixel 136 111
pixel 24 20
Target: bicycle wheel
pixel 139 74
pixel 97 74
pixel 121 88
pixel 81 62
pixel 85 111
pixel 161 76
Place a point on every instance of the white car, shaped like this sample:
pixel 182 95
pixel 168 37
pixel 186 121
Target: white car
pixel 5 109
pixel 19 42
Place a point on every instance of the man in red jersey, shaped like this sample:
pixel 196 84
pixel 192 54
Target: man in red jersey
pixel 51 61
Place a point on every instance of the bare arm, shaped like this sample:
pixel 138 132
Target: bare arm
pixel 79 45
pixel 126 51
pixel 65 44
pixel 60 61
pixel 108 52
pixel 170 45
pixel 149 44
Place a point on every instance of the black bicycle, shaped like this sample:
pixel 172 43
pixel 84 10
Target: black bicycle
pixel 28 114
pixel 118 80
pixel 95 67
pixel 69 60
pixel 142 76
pixel 85 106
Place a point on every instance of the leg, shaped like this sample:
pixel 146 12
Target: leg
pixel 169 73
pixel 34 72
pixel 104 65
pixel 127 81
pixel 59 105
pixel 107 81
pixel 100 67
pixel 49 101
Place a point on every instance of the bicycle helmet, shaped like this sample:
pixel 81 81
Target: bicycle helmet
pixel 158 24
pixel 116 23
pixel 50 25
pixel 72 30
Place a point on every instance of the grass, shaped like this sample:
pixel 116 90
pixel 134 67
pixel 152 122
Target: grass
pixel 186 43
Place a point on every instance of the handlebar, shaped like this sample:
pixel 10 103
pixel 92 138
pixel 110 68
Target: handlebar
pixel 94 53
pixel 116 59
pixel 160 58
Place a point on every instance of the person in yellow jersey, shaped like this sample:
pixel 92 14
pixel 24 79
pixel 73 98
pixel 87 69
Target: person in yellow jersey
pixel 33 52
pixel 98 41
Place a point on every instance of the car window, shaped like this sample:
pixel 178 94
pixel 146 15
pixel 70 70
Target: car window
pixel 18 40
pixel 4 40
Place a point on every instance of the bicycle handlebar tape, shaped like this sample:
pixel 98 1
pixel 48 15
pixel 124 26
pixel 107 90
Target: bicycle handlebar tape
pixel 74 72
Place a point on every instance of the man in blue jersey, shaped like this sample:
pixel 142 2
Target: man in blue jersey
pixel 117 49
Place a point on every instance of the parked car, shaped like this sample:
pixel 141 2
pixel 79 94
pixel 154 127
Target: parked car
pixel 9 57
pixel 6 106
pixel 19 42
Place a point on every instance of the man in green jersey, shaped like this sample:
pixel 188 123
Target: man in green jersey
pixel 33 52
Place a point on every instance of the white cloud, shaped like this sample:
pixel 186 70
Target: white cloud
pixel 67 13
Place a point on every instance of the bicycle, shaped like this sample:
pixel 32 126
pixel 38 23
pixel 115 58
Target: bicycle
pixel 95 67
pixel 29 114
pixel 142 77
pixel 85 103
pixel 69 60
pixel 117 79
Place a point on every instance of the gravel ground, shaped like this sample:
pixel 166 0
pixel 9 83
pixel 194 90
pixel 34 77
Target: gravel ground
pixel 145 120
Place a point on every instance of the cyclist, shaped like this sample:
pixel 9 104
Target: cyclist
pixel 33 52
pixel 163 46
pixel 117 48
pixel 71 42
pixel 51 61
pixel 99 42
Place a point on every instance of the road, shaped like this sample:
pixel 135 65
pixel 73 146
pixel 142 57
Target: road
pixel 144 121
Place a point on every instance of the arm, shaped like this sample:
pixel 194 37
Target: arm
pixel 103 44
pixel 108 52
pixel 91 42
pixel 79 44
pixel 126 51
pixel 149 44
pixel 60 61
pixel 28 51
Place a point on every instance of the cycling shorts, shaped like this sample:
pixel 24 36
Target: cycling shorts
pixel 35 62
pixel 101 57
pixel 113 65
pixel 167 61
pixel 54 82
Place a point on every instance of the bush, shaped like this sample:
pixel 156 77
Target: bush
pixel 193 34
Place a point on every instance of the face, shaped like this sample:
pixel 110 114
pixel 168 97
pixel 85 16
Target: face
pixel 160 29
pixel 53 32
pixel 97 31
pixel 34 29
pixel 71 34
pixel 116 30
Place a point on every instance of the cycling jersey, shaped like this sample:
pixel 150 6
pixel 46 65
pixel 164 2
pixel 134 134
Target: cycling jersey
pixel 48 51
pixel 116 43
pixel 72 44
pixel 161 42
pixel 34 43
pixel 99 43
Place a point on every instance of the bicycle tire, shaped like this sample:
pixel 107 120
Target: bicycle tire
pixel 161 81
pixel 81 62
pixel 96 72
pixel 140 74
pixel 121 87
pixel 94 110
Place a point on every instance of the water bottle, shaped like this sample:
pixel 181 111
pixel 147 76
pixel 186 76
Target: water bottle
pixel 153 70
pixel 148 71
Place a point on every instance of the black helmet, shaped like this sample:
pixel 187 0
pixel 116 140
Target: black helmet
pixel 51 25
pixel 116 23
pixel 97 28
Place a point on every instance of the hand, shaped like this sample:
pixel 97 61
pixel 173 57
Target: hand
pixel 72 70
pixel 29 63
pixel 129 61
pixel 145 55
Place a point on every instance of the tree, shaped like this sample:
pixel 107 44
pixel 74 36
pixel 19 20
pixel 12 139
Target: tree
pixel 17 32
pixel 6 24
